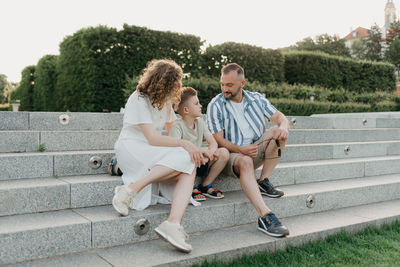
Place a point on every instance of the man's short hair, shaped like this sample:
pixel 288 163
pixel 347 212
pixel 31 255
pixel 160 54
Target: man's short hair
pixel 187 92
pixel 233 67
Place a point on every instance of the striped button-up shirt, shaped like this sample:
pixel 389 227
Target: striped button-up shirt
pixel 220 116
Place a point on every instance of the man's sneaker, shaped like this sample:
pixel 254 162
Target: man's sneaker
pixel 122 199
pixel 175 235
pixel 270 225
pixel 268 189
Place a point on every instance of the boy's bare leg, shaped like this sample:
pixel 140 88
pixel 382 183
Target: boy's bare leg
pixel 217 166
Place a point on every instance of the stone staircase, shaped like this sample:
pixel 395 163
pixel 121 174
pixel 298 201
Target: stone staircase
pixel 339 172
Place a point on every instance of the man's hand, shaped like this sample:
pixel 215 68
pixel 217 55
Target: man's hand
pixel 209 154
pixel 249 150
pixel 280 133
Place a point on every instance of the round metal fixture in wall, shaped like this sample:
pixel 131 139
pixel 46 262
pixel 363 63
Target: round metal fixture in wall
pixel 63 119
pixel 95 162
pixel 310 201
pixel 142 226
pixel 347 150
pixel 364 122
pixel 293 121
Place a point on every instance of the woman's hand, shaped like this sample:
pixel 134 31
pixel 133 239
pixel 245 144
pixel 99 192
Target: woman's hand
pixel 195 153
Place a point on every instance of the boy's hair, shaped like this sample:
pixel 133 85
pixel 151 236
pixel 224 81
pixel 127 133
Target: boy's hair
pixel 187 92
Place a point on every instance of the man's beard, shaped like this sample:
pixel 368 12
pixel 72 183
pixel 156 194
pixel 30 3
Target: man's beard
pixel 230 95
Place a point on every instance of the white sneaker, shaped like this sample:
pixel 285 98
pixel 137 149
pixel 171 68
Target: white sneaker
pixel 175 235
pixel 122 199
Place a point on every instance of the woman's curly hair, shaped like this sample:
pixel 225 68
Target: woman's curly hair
pixel 161 81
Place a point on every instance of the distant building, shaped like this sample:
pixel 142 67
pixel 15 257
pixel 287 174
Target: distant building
pixel 360 32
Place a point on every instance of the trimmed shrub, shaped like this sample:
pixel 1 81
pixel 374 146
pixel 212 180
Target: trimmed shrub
pixel 306 108
pixel 45 83
pixel 260 64
pixel 94 63
pixel 315 68
pixel 24 91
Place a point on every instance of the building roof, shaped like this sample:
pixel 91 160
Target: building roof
pixel 357 33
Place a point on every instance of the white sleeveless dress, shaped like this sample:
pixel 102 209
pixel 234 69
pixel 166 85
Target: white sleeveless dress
pixel 136 156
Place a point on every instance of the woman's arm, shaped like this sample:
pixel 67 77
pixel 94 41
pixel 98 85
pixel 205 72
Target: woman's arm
pixel 155 139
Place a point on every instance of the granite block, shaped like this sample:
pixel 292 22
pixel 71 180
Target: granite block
pixel 40 235
pixel 73 259
pixel 32 165
pixel 393 149
pixel 79 140
pixel 77 121
pixel 307 152
pixel 386 166
pixel 19 141
pixel 33 195
pixel 326 172
pixel 353 123
pixel 77 163
pixel 92 191
pixel 14 120
pixel 358 150
pixel 388 123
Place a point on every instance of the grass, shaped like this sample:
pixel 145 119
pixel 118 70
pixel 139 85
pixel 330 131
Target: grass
pixel 371 247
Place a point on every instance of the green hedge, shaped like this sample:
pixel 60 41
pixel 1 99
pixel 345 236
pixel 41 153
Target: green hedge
pixel 45 83
pixel 315 68
pixel 260 64
pixel 306 107
pixel 94 63
pixel 25 89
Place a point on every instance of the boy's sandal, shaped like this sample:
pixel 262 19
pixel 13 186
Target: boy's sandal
pixel 197 195
pixel 213 194
pixel 111 167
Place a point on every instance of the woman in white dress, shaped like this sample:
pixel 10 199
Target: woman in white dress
pixel 156 168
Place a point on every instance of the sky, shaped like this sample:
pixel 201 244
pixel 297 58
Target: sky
pixel 30 29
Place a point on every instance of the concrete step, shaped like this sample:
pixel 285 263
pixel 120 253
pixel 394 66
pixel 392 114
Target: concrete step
pixel 60 121
pixel 30 141
pixel 390 114
pixel 49 164
pixel 45 194
pixel 229 243
pixel 314 136
pixel 30 236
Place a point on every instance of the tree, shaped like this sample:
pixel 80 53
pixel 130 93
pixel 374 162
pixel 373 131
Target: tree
pixel 326 43
pixel 359 49
pixel 393 54
pixel 393 33
pixel 373 43
pixel 3 85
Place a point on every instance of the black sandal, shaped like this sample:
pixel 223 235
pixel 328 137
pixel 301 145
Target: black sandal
pixel 111 167
pixel 213 194
pixel 196 192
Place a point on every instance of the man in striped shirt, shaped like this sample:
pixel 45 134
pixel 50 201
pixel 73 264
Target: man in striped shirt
pixel 237 119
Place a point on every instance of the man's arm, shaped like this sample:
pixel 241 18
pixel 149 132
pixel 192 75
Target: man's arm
pixel 283 126
pixel 249 150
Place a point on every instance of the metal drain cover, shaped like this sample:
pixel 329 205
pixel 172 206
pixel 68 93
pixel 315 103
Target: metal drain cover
pixel 142 226
pixel 63 119
pixel 310 201
pixel 95 162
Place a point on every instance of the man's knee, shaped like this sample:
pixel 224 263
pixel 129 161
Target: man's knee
pixel 244 162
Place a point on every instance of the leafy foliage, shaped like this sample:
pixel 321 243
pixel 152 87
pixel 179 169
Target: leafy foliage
pixel 260 64
pixel 333 45
pixel 24 91
pixel 315 68
pixel 45 83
